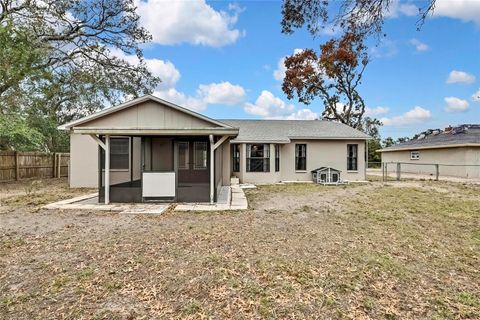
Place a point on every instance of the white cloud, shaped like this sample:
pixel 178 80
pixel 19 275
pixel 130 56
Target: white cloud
pixel 414 115
pixel 165 70
pixel 476 96
pixel 465 10
pixel 180 98
pixel 454 104
pixel 268 106
pixel 460 77
pixel 222 93
pixel 376 111
pixel 279 72
pixel 419 46
pixel 194 22
pixel 398 8
pixel 302 114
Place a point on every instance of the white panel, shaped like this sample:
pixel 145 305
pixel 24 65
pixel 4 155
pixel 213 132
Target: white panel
pixel 158 184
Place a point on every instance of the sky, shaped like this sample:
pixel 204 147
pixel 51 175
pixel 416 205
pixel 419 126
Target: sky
pixel 224 59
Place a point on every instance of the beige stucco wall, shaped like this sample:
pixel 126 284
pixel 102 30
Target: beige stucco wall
pixel 149 114
pixel 320 153
pixel 452 161
pixel 84 163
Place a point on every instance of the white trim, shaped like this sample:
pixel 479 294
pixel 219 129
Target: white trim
pixel 107 169
pixel 134 102
pixel 219 142
pixel 445 146
pixel 195 143
pixel 212 169
pixel 153 131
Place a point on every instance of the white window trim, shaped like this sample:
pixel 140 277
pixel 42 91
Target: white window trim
pixel 417 157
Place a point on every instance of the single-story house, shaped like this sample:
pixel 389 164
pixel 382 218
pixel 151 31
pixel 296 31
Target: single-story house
pixel 456 151
pixel 151 149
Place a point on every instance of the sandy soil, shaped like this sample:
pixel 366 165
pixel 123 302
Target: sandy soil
pixel 405 250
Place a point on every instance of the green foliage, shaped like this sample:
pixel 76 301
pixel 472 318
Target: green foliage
pixel 16 134
pixel 61 60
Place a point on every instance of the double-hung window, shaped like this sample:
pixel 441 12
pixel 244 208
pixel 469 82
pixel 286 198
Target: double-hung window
pixel 236 157
pixel 258 158
pixel 300 157
pixel 352 157
pixel 277 158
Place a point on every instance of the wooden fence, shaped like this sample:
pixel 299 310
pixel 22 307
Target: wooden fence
pixel 26 165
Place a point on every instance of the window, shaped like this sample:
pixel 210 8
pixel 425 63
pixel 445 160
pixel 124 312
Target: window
pixel 277 157
pixel 300 157
pixel 200 155
pixel 258 158
pixel 352 151
pixel 119 154
pixel 236 157
pixel 183 155
pixel 415 155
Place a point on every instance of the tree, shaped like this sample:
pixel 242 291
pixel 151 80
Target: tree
pixel 371 127
pixel 64 59
pixel 365 17
pixel 334 75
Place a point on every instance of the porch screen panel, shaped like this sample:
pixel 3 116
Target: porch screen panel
pixel 200 155
pixel 258 158
pixel 119 154
pixel 183 155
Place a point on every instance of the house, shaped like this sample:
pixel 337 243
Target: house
pixel 456 151
pixel 150 149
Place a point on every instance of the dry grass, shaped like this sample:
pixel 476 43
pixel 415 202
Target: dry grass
pixel 34 193
pixel 395 251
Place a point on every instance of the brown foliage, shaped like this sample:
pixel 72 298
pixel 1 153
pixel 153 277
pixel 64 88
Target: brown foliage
pixel 334 76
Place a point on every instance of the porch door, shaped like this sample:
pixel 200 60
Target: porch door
pixel 193 184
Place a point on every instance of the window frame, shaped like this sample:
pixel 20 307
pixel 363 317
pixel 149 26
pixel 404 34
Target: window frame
pixel 277 158
pixel 195 144
pixel 236 155
pixel 187 155
pixel 297 157
pixel 351 158
pixel 102 155
pixel 265 158
pixel 417 155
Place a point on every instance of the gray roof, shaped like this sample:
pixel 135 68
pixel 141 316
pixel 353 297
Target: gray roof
pixel 468 137
pixel 282 131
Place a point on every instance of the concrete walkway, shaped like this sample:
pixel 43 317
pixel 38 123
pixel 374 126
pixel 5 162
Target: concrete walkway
pixel 229 198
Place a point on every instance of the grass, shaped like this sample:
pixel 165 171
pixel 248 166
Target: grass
pixel 405 250
pixel 35 193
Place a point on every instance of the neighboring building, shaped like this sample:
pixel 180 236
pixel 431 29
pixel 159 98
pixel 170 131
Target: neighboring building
pixel 160 151
pixel 455 150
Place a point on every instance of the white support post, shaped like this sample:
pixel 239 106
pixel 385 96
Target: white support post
pixel 212 169
pixel 107 169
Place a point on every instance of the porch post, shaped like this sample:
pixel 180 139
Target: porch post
pixel 212 169
pixel 107 169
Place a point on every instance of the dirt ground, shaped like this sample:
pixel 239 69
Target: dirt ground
pixel 399 250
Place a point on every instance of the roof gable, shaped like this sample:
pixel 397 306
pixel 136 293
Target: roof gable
pixel 146 112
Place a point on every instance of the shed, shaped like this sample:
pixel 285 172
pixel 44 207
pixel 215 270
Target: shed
pixel 326 175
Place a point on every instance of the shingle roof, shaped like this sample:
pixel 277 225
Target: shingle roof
pixel 281 131
pixel 469 137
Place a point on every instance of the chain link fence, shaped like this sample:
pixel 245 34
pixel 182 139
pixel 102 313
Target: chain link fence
pixel 390 171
